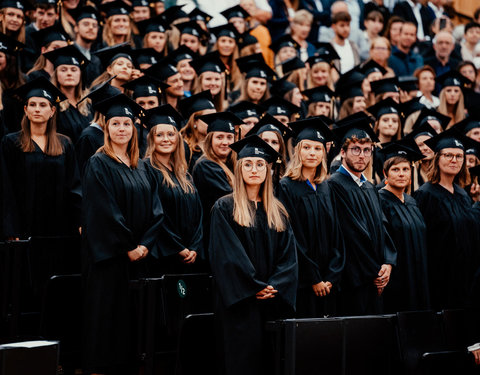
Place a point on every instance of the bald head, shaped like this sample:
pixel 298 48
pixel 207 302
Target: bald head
pixel 443 44
pixel 339 6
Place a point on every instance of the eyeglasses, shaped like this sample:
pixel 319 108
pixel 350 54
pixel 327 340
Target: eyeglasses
pixel 356 151
pixel 259 165
pixel 381 48
pixel 449 157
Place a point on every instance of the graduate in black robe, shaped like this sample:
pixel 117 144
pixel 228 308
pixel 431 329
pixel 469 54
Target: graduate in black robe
pixel 254 266
pixel 122 216
pixel 408 286
pixel 452 228
pixel 308 200
pixel 370 253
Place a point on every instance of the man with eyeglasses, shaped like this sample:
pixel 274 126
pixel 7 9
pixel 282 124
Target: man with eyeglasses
pixel 370 253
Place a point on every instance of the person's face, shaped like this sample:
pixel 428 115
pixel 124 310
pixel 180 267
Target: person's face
pixel 408 36
pixel 156 40
pixel 380 51
pixel 311 153
pixel 424 149
pixel 212 81
pixel 13 19
pixel 249 123
pixel 395 32
pixel 38 110
pixel 319 74
pixel 359 104
pixel 187 72
pixel 472 36
pixel 322 109
pixel 286 53
pixel 342 29
pixel 45 17
pixel 239 24
pixel 165 139
pixel 122 68
pixel 159 7
pixel 200 125
pixel 71 4
pixel 272 139
pixel 451 167
pixel 3 61
pixel 120 24
pixel 301 30
pixel 297 97
pixel 87 29
pixel 221 142
pixel 69 75
pixel 444 46
pixel 140 13
pixel 191 41
pixel 147 102
pixel 357 163
pixel 282 118
pixel 474 134
pixel 468 72
pixel 388 125
pixel 374 26
pixel 256 88
pixel 226 46
pixel 471 161
pixel 254 171
pixel 452 94
pixel 399 175
pixel 426 82
pixel 176 85
pixel 120 130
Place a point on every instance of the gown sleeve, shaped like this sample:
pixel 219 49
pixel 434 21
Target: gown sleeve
pixel 73 184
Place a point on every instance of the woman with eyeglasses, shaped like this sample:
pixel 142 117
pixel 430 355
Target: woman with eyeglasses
pixel 452 232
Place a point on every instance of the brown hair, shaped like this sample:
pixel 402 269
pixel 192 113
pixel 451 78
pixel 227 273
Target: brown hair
pixel 209 154
pixel 398 135
pixel 243 92
pixel 132 149
pixel 459 107
pixel 295 166
pixel 341 16
pixel 346 109
pixel 107 35
pixel 389 163
pixel 374 15
pixel 83 107
pixel 218 100
pixel 433 173
pixel 235 76
pixel 391 21
pixel 20 34
pixel 190 135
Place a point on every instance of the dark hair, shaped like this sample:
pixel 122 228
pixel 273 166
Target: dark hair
pixel 465 63
pixel 433 173
pixel 391 21
pixel 374 15
pixel 471 25
pixel 45 6
pixel 476 14
pixel 341 16
pixel 389 163
pixel 408 23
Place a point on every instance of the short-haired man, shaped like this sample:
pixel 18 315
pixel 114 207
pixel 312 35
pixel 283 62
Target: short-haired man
pixel 347 50
pixel 471 36
pixel 403 60
pixel 443 46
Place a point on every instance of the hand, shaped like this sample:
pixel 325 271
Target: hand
pixel 476 354
pixel 80 230
pixel 268 292
pixel 322 288
pixel 139 253
pixel 475 192
pixel 136 74
pixel 383 276
pixel 188 256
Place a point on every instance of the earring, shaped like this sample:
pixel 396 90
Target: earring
pixel 194 126
pixel 386 181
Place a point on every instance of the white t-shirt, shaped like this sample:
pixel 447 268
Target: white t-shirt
pixel 347 61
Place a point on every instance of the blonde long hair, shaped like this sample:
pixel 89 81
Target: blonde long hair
pixel 190 134
pixel 132 149
pixel 311 84
pixel 177 161
pixel 295 167
pixel 459 108
pixel 243 211
pixel 218 100
pixel 209 154
pixel 19 35
pixel 107 34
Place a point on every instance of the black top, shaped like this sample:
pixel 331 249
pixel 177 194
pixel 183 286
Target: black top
pixel 88 143
pixel 71 123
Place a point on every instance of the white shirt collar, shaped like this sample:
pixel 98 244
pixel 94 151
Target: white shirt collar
pixel 358 180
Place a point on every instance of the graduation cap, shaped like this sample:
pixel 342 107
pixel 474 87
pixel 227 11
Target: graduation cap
pixel 246 109
pixel 372 67
pixel 268 123
pixel 182 53
pixel 276 106
pixel 349 85
pixel 9 45
pixel 164 114
pixel 281 86
pixel 69 55
pixel 284 41
pixel 211 62
pixel 173 13
pixel 195 103
pixel 162 70
pixel 427 114
pixel 450 138
pixel 313 129
pixel 192 28
pixel 46 2
pixel 145 56
pixel 356 126
pixel 245 40
pixel 408 83
pixel 475 171
pixel 326 52
pixel 119 106
pixel 235 12
pixel 84 13
pixel 255 66
pixel 253 146
pixel 467 124
pixel 422 130
pixel 225 30
pixel 413 105
pixel 108 55
pixel 116 7
pixel 17 4
pixel 384 107
pixel 101 92
pixel 221 122
pixel 199 15
pixel 140 3
pixel 40 88
pixel 145 86
pixel 320 94
pixel 453 78
pixel 473 149
pixel 397 149
pixel 382 86
pixel 49 34
pixel 292 64
pixel 154 24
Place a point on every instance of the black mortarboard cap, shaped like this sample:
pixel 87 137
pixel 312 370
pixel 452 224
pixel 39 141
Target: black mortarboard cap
pixel 254 146
pixel 246 109
pixel 50 34
pixel 154 24
pixel 221 122
pixel 182 53
pixel 475 171
pixel 281 86
pixel 192 28
pixel 146 86
pixel 46 2
pixel 235 11
pixel 318 94
pixel 69 55
pixel 108 55
pixel 17 4
pixel 145 56
pixel 284 41
pixel 453 78
pixel 268 123
pixel 173 13
pixel 276 106
pixel 255 66
pixel 42 88
pixel 424 129
pixel 211 62
pixel 408 83
pixel 101 92
pixel 313 129
pixel 384 107
pixel 116 7
pixel 358 125
pixel 140 3
pixel 394 149
pixel 225 30
pixel 119 106
pixel 199 15
pixel 85 12
pixel 450 138
pixel 473 148
pixel 245 40
pixel 164 114
pixel 162 70
pixel 9 45
pixel 413 105
pixel 349 91
pixel 326 52
pixel 371 67
pixel 467 124
pixel 292 64
pixel 195 103
pixel 384 85
pixel 349 85
pixel 427 114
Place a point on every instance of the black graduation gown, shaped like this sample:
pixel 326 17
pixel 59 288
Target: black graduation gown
pixel 121 210
pixel 12 112
pixel 452 242
pixel 91 139
pixel 367 244
pixel 244 261
pixel 407 289
pixel 41 194
pixel 182 226
pixel 320 247
pixel 71 123
pixel 194 156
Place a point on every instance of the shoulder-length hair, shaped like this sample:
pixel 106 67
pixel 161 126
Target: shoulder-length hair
pixel 398 134
pixel 11 77
pixel 235 76
pixel 177 161
pixel 218 100
pixel 107 35
pixel 83 107
pixel 433 174
pixel 190 134
pixel 40 64
pixel 310 83
pixel 209 154
pixel 243 211
pixel 132 148
pixel 165 48
pixel 346 109
pixel 459 107
pixel 297 77
pixel 244 96
pixel 19 35
pixel 295 167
